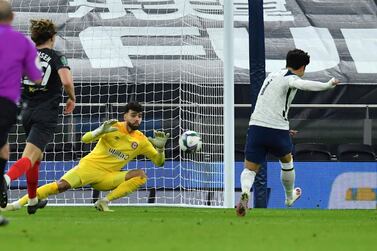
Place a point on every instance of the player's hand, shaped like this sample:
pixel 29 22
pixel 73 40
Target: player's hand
pixel 334 81
pixel 69 106
pixel 293 132
pixel 159 139
pixel 107 126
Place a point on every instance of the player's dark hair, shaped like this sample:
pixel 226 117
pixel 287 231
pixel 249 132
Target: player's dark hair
pixel 297 58
pixel 5 11
pixel 42 30
pixel 134 106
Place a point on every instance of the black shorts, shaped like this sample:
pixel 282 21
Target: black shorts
pixel 40 124
pixel 8 117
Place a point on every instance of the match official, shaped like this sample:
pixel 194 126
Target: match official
pixel 18 56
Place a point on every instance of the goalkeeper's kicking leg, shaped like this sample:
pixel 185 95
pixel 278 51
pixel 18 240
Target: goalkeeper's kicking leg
pixel 42 193
pixel 68 181
pixel 132 181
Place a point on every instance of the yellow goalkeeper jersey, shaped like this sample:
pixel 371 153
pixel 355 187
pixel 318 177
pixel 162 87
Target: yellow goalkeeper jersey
pixel 114 150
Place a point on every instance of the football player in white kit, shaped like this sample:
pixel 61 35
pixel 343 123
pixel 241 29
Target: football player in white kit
pixel 269 126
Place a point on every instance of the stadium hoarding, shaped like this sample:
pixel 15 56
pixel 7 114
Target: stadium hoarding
pixel 124 37
pixel 325 185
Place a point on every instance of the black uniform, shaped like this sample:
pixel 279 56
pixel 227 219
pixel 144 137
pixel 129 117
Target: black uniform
pixel 8 117
pixel 41 103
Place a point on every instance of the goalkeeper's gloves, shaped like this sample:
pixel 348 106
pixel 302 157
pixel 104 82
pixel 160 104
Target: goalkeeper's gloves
pixel 159 140
pixel 106 127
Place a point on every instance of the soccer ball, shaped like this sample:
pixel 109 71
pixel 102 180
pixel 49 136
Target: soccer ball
pixel 190 142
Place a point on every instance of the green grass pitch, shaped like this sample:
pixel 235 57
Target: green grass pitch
pixel 165 228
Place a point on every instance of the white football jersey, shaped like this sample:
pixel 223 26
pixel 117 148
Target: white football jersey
pixel 276 95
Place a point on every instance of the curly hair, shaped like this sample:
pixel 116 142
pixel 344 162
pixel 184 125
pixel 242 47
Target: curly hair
pixel 42 30
pixel 134 106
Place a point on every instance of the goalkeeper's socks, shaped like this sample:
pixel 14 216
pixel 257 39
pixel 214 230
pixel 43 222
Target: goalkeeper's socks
pixel 47 190
pixel 19 168
pixel 23 201
pixel 32 180
pixel 126 188
pixel 16 205
pixel 247 180
pixel 42 193
pixel 287 176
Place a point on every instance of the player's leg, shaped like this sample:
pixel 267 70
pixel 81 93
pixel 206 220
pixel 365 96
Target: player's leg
pixel 255 154
pixel 39 127
pixel 32 176
pixel 282 148
pixel 124 183
pixel 29 157
pixel 4 153
pixel 8 116
pixel 71 179
pixel 23 164
pixel 247 180
pixel 40 135
pixel 42 193
pixel 288 176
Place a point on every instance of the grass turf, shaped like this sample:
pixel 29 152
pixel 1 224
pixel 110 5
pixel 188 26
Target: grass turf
pixel 163 228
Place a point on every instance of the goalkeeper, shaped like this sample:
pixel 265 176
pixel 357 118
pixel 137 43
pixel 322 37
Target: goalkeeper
pixel 118 144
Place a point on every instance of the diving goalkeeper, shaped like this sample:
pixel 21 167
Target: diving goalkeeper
pixel 118 143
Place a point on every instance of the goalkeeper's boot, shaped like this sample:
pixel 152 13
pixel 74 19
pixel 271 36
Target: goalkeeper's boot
pixel 295 196
pixel 3 194
pixel 242 205
pixel 102 205
pixel 3 221
pixel 32 209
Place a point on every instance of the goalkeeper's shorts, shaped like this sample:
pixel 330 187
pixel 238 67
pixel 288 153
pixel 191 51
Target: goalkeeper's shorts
pixel 102 180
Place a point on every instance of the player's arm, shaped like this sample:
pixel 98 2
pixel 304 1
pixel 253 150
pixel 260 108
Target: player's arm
pixel 31 64
pixel 61 65
pixel 156 149
pixel 94 135
pixel 67 81
pixel 308 85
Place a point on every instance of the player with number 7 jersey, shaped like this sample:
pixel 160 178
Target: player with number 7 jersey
pixel 269 126
pixel 41 107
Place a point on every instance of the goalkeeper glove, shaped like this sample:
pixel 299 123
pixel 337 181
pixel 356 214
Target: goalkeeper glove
pixel 159 139
pixel 106 127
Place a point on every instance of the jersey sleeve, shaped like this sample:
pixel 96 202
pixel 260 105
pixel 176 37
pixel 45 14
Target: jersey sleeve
pixel 152 154
pixel 148 150
pixel 31 63
pixel 308 85
pixel 60 61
